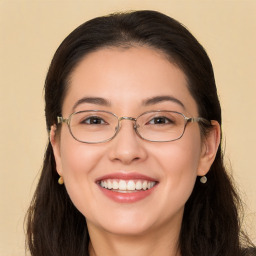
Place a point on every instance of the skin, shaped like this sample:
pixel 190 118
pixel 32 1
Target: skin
pixel 126 78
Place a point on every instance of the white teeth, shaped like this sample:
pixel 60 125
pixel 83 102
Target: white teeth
pixel 127 185
pixel 130 185
pixel 115 184
pixel 109 184
pixel 144 185
pixel 138 185
pixel 150 185
pixel 122 185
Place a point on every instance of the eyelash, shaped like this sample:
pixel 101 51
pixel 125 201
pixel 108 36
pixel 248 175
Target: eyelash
pixel 84 121
pixel 160 117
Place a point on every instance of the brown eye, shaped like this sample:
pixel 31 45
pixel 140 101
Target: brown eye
pixel 160 120
pixel 93 120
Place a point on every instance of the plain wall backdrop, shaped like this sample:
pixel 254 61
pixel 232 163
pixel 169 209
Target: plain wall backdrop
pixel 30 32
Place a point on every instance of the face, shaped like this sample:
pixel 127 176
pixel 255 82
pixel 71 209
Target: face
pixel 124 79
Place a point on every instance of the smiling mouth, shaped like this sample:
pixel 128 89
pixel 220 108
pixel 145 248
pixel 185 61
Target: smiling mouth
pixel 127 186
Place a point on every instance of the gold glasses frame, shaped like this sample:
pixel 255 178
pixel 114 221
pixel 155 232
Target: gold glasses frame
pixel 61 120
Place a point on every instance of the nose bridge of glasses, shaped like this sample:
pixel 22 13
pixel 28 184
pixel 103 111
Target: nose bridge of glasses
pixel 129 119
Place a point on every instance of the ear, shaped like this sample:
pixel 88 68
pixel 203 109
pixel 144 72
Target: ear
pixel 55 142
pixel 210 147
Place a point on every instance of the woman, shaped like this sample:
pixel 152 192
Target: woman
pixel 133 165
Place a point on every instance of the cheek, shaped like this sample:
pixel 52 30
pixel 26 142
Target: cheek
pixel 76 161
pixel 179 162
pixel 77 158
pixel 79 162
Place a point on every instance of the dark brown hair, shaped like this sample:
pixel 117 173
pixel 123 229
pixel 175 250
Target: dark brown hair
pixel 210 224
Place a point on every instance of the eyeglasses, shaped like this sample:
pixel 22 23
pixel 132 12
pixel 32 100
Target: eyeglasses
pixel 97 126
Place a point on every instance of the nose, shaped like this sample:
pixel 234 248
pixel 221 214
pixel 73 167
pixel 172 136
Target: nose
pixel 127 147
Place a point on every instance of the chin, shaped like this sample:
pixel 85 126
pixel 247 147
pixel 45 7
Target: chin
pixel 124 224
pixel 128 229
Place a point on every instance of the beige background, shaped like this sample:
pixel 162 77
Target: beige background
pixel 30 32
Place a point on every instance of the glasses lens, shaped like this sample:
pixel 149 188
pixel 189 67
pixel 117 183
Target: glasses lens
pixel 161 125
pixel 93 126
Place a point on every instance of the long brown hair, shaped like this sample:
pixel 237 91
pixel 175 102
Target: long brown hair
pixel 211 223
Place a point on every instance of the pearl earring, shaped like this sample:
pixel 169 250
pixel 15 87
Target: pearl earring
pixel 60 180
pixel 203 179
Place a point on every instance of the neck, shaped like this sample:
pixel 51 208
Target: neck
pixel 164 242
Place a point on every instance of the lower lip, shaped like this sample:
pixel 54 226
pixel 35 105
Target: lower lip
pixel 130 197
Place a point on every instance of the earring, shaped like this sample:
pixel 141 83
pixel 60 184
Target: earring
pixel 203 179
pixel 60 180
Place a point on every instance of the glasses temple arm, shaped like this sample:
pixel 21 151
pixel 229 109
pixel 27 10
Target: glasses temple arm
pixel 199 119
pixel 60 120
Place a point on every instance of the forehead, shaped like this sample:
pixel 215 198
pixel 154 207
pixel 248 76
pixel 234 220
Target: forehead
pixel 127 76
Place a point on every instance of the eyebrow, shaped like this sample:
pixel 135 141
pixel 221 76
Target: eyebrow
pixel 92 100
pixel 147 102
pixel 158 99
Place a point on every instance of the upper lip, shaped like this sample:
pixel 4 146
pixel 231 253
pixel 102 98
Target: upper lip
pixel 126 176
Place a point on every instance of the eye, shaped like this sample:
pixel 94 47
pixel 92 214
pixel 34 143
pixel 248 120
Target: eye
pixel 93 120
pixel 160 120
